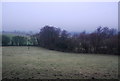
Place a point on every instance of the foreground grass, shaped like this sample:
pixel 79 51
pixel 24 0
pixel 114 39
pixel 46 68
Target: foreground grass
pixel 39 63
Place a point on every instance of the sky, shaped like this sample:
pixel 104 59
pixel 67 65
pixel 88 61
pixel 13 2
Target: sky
pixel 71 16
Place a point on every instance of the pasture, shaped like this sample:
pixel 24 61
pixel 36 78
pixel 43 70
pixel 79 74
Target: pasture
pixel 39 63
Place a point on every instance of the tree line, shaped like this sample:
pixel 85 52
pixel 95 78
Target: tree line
pixel 103 40
pixel 18 41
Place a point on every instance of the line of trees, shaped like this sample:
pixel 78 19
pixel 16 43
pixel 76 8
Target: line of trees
pixel 102 40
pixel 18 41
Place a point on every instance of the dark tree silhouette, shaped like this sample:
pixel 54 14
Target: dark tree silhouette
pixel 5 40
pixel 102 40
pixel 48 36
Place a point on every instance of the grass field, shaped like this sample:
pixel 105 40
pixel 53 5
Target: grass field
pixel 40 63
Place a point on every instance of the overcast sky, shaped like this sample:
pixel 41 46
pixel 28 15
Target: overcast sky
pixel 71 16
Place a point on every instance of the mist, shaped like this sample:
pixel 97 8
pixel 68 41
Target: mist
pixel 71 16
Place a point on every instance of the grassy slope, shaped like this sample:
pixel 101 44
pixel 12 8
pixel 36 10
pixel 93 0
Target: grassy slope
pixel 19 62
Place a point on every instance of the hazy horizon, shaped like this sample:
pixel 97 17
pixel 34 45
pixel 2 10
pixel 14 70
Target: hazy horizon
pixel 71 16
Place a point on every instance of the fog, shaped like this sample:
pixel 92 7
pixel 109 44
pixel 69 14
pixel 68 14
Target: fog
pixel 71 16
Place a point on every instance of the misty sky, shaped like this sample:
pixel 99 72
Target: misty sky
pixel 71 16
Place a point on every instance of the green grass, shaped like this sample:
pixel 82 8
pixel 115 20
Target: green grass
pixel 40 63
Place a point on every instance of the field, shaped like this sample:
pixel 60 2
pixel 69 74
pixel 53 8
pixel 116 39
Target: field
pixel 39 63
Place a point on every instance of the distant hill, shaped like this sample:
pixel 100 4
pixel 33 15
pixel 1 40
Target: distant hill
pixel 18 33
pixel 72 33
